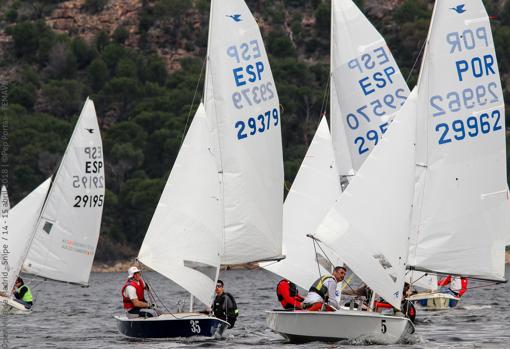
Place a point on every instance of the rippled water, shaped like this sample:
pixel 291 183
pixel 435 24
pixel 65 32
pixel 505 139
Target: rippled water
pixel 68 316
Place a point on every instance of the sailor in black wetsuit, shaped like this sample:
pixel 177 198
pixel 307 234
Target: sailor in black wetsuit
pixel 224 305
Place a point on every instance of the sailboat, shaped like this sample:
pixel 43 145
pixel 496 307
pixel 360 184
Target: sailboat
pixel 462 199
pixel 53 232
pixel 449 202
pixel 222 203
pixel 359 118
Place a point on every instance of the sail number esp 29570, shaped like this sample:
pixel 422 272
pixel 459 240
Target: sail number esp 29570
pixel 251 89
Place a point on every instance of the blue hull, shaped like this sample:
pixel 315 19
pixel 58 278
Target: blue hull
pixel 170 327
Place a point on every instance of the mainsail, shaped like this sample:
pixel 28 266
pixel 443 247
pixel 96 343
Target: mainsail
pixel 369 225
pixel 184 238
pixel 314 191
pixel 67 228
pixel 369 87
pixel 241 100
pixel 461 204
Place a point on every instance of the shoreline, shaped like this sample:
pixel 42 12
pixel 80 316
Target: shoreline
pixel 122 266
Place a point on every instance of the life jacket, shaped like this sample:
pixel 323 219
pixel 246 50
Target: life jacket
pixel 319 287
pixel 288 294
pixel 27 297
pixel 224 312
pixel 139 287
pixel 286 284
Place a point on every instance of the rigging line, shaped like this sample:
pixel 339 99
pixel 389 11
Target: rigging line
pixel 316 258
pixel 329 260
pixel 325 97
pixel 152 293
pixel 416 61
pixel 193 101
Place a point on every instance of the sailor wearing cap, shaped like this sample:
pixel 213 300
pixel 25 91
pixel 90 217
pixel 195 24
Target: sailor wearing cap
pixel 133 296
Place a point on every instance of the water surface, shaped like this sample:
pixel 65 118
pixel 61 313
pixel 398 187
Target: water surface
pixel 67 316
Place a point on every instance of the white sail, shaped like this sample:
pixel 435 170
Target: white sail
pixel 368 83
pixel 22 220
pixel 313 193
pixel 6 275
pixel 241 98
pixel 369 225
pixel 184 238
pixel 422 280
pixel 67 231
pixel 459 225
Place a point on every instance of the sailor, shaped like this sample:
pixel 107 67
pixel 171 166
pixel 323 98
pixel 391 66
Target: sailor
pixel 288 295
pixel 133 296
pixel 458 285
pixel 224 305
pixel 363 292
pixel 22 293
pixel 323 290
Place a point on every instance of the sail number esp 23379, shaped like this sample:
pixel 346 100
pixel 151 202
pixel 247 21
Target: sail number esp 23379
pixel 251 89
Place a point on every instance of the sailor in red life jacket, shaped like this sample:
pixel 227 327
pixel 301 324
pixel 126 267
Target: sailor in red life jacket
pixel 458 285
pixel 133 296
pixel 288 295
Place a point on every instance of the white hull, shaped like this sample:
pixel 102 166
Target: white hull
pixel 10 306
pixel 305 326
pixel 434 301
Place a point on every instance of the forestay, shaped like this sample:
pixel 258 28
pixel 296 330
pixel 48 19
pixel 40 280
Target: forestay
pixel 5 270
pixel 314 191
pixel 370 223
pixel 68 228
pixel 462 199
pixel 241 98
pixel 184 238
pixel 369 86
pixel 22 220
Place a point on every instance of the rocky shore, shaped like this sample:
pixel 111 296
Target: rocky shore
pixel 122 266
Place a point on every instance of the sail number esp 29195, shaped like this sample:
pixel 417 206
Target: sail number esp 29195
pixel 91 178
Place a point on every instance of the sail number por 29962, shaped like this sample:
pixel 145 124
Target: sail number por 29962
pixel 259 124
pixel 471 127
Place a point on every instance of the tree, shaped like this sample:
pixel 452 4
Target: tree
pixel 97 73
pixel 26 39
